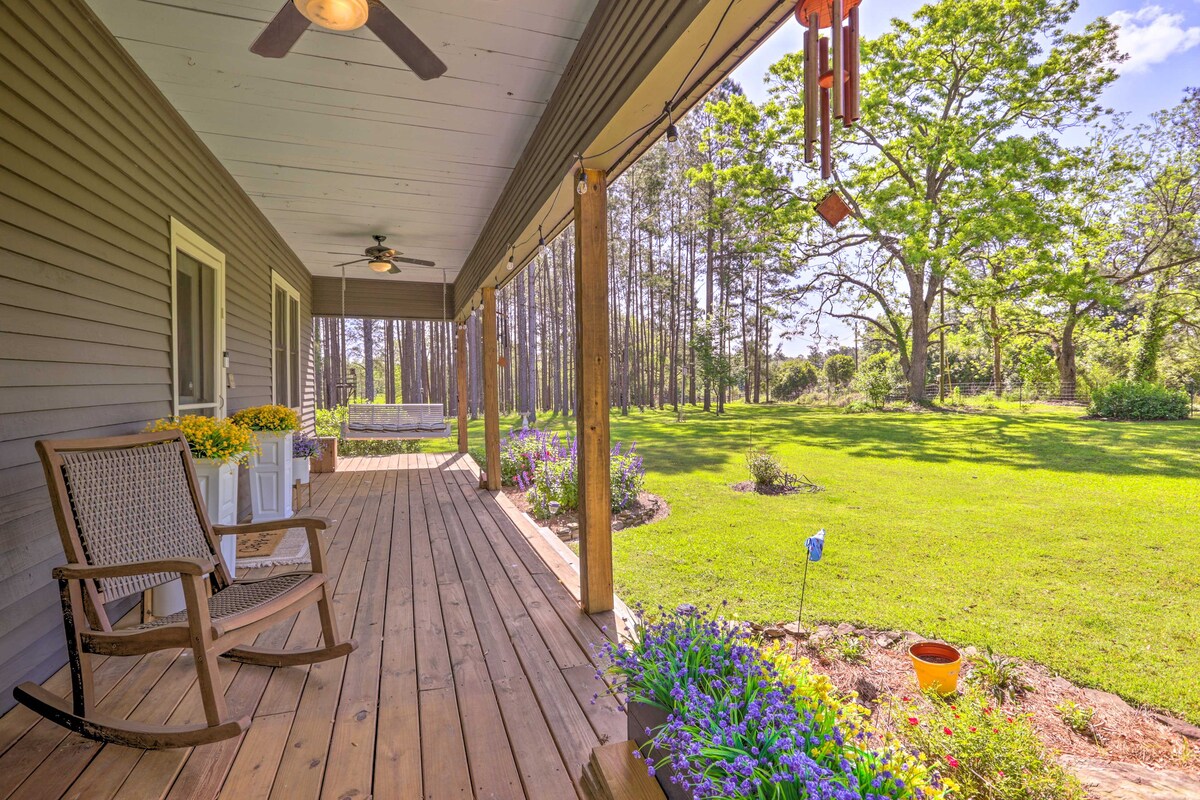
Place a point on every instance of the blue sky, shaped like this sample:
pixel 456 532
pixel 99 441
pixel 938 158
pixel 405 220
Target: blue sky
pixel 1162 38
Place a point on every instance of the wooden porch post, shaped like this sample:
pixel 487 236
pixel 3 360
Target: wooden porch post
pixel 491 393
pixel 461 356
pixel 592 378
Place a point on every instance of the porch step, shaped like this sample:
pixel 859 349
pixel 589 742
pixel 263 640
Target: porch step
pixel 613 773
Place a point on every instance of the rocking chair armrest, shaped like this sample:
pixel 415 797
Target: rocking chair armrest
pixel 312 523
pixel 184 566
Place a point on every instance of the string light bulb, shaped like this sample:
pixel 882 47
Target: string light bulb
pixel 581 179
pixel 672 131
pixel 541 241
pixel 511 259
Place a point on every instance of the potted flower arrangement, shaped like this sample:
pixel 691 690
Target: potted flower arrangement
pixel 218 446
pixel 271 465
pixel 304 448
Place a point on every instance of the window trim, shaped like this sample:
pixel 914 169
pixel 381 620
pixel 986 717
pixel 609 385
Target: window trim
pixel 185 239
pixel 279 282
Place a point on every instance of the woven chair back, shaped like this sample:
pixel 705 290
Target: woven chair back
pixel 133 504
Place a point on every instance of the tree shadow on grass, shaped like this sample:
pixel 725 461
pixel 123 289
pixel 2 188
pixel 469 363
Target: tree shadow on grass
pixel 1055 441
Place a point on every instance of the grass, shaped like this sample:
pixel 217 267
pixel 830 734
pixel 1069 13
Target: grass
pixel 1072 542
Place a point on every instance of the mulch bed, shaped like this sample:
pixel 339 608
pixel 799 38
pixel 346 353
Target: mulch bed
pixel 1127 735
pixel 751 486
pixel 646 509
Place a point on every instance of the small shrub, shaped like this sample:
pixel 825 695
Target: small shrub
pixel 852 649
pixel 1076 717
pixel 1139 400
pixel 876 378
pixel 792 378
pixel 999 676
pixel 765 469
pixel 988 754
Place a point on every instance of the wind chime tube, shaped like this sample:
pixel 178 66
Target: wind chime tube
pixel 826 121
pixel 811 86
pixel 837 83
pixel 854 65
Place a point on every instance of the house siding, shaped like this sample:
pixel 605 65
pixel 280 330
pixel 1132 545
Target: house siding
pixel 93 164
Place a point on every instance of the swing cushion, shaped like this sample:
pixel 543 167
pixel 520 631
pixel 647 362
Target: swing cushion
pixel 394 421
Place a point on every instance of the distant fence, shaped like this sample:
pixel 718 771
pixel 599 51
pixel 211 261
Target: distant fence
pixel 1017 391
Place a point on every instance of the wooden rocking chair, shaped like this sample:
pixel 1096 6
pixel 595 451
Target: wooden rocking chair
pixel 130 515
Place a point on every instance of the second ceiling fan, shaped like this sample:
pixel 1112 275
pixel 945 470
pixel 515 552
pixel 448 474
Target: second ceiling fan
pixel 295 16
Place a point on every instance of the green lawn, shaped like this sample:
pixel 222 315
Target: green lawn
pixel 1072 542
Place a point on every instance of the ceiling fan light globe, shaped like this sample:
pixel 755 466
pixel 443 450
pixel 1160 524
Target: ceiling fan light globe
pixel 336 15
pixel 380 265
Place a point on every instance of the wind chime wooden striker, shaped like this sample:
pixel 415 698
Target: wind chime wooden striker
pixel 831 73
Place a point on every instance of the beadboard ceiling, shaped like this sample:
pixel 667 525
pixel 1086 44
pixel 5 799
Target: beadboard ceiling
pixel 339 140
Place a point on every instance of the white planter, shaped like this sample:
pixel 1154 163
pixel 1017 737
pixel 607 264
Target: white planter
pixel 300 469
pixel 271 477
pixel 218 488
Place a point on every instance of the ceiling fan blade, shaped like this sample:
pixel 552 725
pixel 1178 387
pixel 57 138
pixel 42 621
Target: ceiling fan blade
pixel 348 263
pixel 419 262
pixel 403 42
pixel 281 32
pixel 393 270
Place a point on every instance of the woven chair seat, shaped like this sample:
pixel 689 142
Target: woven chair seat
pixel 238 598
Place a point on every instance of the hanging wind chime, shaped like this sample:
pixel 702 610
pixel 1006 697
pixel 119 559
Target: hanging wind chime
pixel 831 85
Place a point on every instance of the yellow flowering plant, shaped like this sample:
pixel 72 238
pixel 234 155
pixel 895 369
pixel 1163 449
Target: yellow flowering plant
pixel 279 419
pixel 208 437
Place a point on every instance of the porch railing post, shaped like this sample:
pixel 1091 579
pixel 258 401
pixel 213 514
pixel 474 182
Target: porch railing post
pixel 491 393
pixel 592 386
pixel 461 363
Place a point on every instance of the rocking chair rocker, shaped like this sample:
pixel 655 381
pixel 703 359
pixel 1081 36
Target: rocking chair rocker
pixel 130 516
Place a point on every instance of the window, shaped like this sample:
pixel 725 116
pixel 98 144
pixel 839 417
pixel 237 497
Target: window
pixel 285 353
pixel 197 323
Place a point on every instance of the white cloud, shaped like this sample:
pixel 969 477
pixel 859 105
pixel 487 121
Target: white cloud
pixel 1151 35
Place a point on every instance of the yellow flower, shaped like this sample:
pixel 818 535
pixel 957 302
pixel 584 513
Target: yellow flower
pixel 268 418
pixel 207 437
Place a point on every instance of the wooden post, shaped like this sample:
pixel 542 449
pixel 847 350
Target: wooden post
pixel 592 378
pixel 461 363
pixel 491 390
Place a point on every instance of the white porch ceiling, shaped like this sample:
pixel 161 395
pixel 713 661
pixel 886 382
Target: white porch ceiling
pixel 339 140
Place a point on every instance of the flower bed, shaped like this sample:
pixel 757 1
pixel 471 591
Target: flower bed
pixel 744 723
pixel 545 466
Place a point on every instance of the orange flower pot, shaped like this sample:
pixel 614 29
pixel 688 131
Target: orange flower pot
pixel 937 666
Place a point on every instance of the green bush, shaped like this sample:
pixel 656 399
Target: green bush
pixel 765 469
pixel 839 369
pixel 1139 400
pixel 876 378
pixel 792 378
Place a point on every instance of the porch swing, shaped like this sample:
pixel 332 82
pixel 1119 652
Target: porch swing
pixel 394 420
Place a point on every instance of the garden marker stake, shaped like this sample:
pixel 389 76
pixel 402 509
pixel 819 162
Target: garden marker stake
pixel 815 545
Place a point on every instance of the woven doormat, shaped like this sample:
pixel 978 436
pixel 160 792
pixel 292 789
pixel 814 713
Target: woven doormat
pixel 272 549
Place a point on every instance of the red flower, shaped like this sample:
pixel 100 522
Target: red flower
pixel 1010 720
pixel 904 699
pixel 913 720
pixel 987 709
pixel 972 729
pixel 1000 772
pixel 995 730
pixel 947 731
pixel 952 761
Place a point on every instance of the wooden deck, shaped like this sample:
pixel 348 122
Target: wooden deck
pixel 473 676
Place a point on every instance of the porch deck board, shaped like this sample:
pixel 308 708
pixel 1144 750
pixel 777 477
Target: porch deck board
pixel 473 677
